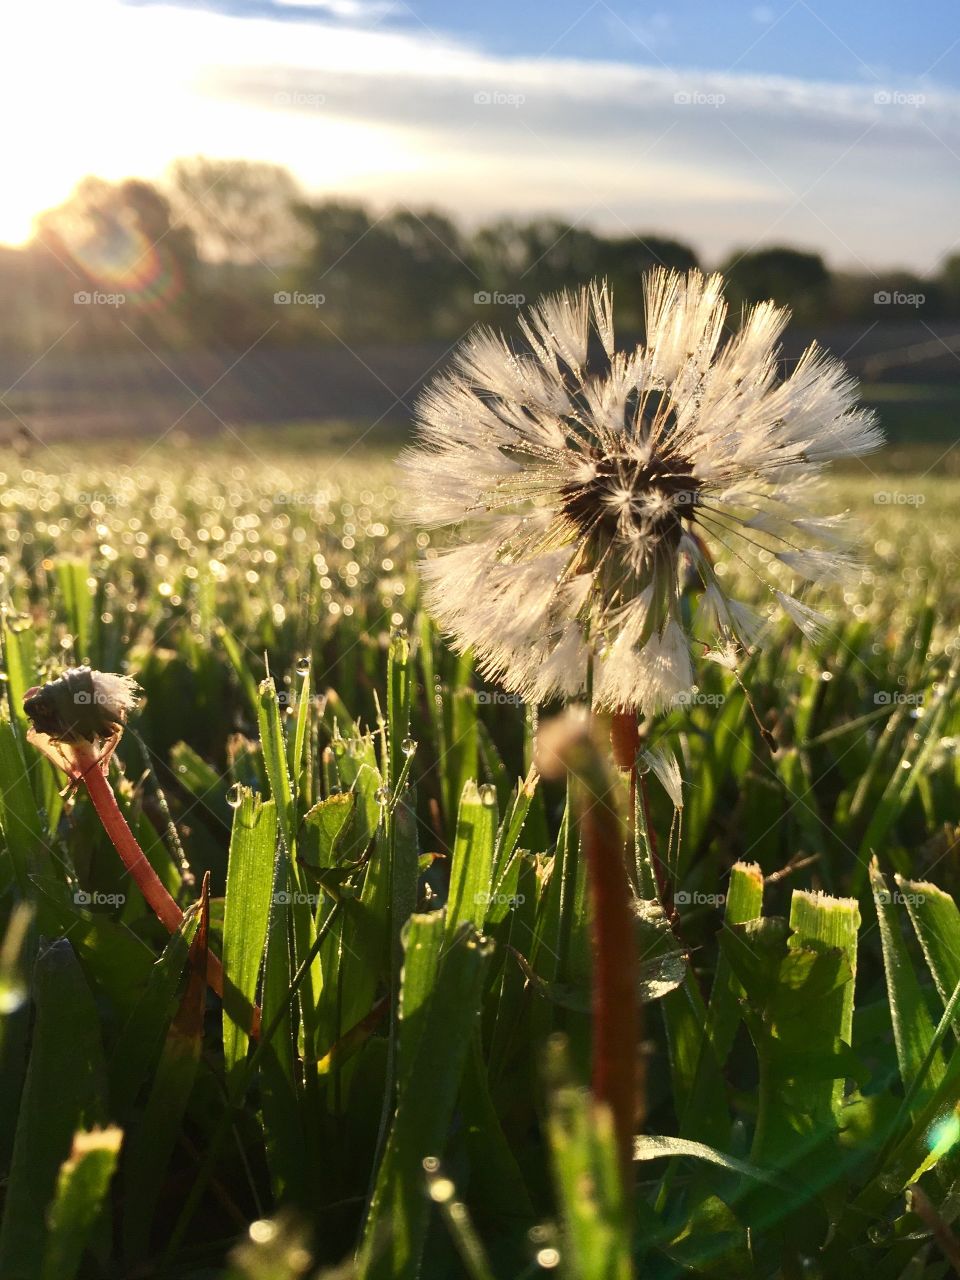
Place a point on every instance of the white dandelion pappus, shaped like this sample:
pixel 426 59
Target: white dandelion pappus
pixel 579 496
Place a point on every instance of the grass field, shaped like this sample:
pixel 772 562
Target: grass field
pixel 412 921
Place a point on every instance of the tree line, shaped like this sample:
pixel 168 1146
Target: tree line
pixel 223 253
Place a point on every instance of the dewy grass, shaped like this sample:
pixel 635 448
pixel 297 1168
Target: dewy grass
pixel 473 1044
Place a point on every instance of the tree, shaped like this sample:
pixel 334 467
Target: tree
pixel 791 277
pixel 241 211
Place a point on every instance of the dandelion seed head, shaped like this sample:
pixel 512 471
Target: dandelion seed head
pixel 585 497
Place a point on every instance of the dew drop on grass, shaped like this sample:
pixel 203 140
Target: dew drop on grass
pixel 13 996
pixel 303 666
pixel 408 747
pixel 488 795
pixel 383 795
pixel 235 796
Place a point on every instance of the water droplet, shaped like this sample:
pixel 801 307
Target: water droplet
pixel 408 747
pixel 488 795
pixel 13 996
pixel 548 1258
pixel 235 796
pixel 383 795
pixel 339 746
pixel 442 1190
pixel 303 666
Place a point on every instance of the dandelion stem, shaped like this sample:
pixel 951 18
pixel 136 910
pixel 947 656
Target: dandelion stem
pixel 141 872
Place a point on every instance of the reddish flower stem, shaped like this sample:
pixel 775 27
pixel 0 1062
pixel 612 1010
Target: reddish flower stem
pixel 142 873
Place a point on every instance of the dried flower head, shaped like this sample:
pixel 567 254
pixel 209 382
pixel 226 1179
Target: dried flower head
pixel 581 495
pixel 81 705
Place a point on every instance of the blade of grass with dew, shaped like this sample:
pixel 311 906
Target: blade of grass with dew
pixel 508 836
pixel 707 1112
pixel 79 1201
pixel 462 759
pixel 912 1024
pixel 283 1123
pixel 281 788
pixel 936 922
pixel 471 868
pixel 234 652
pixel 63 1092
pixel 72 579
pixel 916 757
pixel 253 846
pixel 19 817
pixel 584 1158
pixel 151 1145
pixel 439 1006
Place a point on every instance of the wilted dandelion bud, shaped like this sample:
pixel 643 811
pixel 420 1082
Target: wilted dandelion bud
pixel 81 705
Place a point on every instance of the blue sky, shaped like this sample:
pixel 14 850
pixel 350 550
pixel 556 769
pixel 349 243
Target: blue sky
pixel 854 39
pixel 835 127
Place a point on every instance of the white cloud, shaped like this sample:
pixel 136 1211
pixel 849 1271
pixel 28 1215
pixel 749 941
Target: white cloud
pixel 720 159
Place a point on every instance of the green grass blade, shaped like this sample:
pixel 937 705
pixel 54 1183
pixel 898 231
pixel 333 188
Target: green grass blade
pixel 912 1025
pixel 62 1093
pixel 439 1005
pixel 250 869
pixel 82 1188
pixel 471 869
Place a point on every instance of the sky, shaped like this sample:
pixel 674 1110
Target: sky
pixel 829 126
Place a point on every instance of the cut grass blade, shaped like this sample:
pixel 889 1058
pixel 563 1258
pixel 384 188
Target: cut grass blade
pixel 79 1200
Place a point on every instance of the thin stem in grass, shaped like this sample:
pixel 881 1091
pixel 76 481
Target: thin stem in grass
pixel 568 745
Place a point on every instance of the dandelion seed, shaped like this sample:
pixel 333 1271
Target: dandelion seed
pixel 583 500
